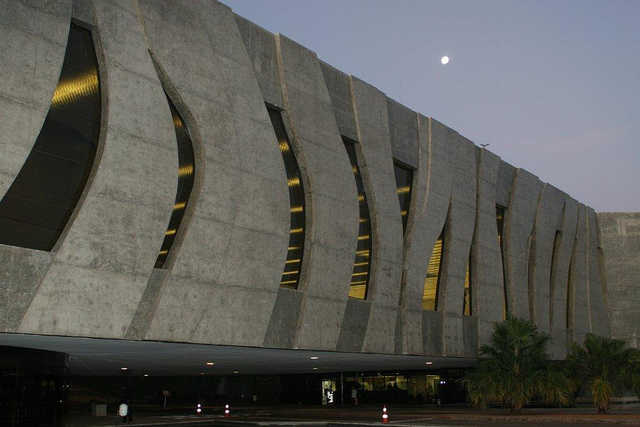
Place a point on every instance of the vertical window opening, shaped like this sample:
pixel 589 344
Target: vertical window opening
pixel 291 274
pixel 466 308
pixel 500 212
pixel 571 278
pixel 432 281
pixel 362 264
pixel 404 180
pixel 186 171
pixel 41 199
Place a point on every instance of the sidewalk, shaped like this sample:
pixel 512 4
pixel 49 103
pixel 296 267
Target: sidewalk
pixel 400 415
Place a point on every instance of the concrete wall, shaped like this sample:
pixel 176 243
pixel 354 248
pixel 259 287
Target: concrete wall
pixel 620 242
pixel 220 284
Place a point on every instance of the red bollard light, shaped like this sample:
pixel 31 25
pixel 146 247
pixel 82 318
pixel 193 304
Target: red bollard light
pixel 385 416
pixel 227 413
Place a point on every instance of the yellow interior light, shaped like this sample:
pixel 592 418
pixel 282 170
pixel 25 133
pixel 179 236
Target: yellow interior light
pixel 296 230
pixel 296 209
pixel 293 182
pixel 170 232
pixel 69 91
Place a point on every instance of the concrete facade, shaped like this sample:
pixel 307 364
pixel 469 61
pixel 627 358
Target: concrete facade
pixel 220 284
pixel 619 253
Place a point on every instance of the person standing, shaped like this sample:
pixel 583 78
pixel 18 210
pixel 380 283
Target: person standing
pixel 354 396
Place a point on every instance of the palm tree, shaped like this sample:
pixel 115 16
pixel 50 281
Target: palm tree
pixel 603 365
pixel 515 368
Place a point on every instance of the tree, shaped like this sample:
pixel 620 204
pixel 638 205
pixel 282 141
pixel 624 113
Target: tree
pixel 515 368
pixel 602 366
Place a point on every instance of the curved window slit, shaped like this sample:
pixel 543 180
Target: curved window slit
pixel 404 181
pixel 432 281
pixel 500 212
pixel 291 274
pixel 362 262
pixel 186 171
pixel 44 194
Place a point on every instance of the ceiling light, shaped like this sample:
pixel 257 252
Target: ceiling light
pixel 236 372
pixel 429 363
pixel 210 363
pixel 314 368
pixel 146 375
pixel 124 368
pixel 314 357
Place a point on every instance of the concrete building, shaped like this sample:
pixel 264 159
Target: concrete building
pixel 172 175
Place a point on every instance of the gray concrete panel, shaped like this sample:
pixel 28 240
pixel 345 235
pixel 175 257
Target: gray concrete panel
pixel 432 333
pixel 284 319
pixel 354 326
pixel 432 191
pixel 34 37
pixel 598 313
pixel 338 84
pixel 147 305
pixel 470 335
pixel 460 227
pixel 83 11
pixel 558 295
pixel 376 164
pixel 548 217
pixel 22 270
pixel 261 47
pixel 620 237
pixel 518 227
pixel 231 259
pixel 504 184
pixel 579 298
pixel 332 221
pixel 102 265
pixel 403 128
pixel 486 273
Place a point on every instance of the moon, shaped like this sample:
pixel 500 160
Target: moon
pixel 444 60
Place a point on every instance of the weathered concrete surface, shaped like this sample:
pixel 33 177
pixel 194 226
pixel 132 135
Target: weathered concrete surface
pixel 21 272
pixel 432 189
pixel 457 245
pixel 579 323
pixel 486 275
pixel 357 317
pixel 34 37
pixel 598 313
pixel 620 238
pixel 376 164
pixel 403 129
pixel 559 292
pixel 518 226
pixel 284 319
pixel 332 223
pixel 544 246
pixel 224 282
pixel 339 86
pixel 100 270
pixel 261 47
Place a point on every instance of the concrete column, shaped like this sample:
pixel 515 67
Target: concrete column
pixel 458 245
pixel 518 227
pixel 224 282
pixel 486 274
pixel 548 219
pixel 432 192
pixel 332 220
pixel 376 164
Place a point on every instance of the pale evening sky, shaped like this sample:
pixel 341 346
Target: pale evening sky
pixel 553 86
